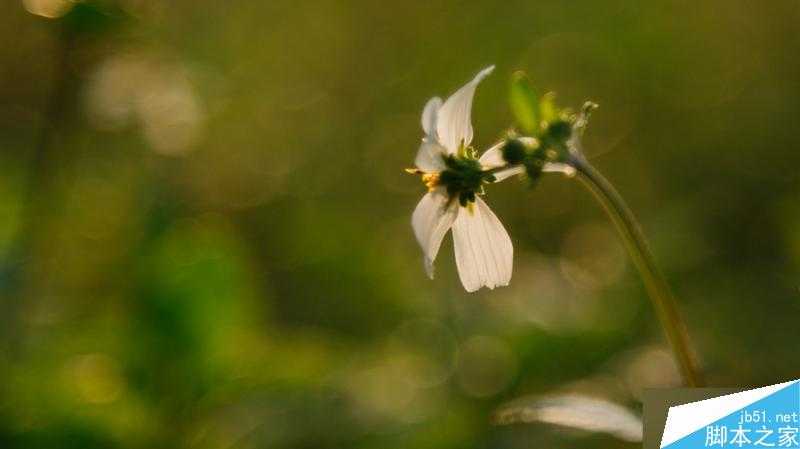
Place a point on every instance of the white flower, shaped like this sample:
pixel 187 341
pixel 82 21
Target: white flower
pixel 483 250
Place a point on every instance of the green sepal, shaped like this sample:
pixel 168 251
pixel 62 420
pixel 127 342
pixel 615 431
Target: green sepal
pixel 466 197
pixel 534 164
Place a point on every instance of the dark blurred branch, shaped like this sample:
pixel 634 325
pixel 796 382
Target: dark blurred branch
pixel 41 166
pixel 40 176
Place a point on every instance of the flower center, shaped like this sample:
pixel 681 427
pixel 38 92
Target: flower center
pixel 463 178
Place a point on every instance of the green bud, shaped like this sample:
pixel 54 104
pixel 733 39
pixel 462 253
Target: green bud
pixel 514 152
pixel 559 130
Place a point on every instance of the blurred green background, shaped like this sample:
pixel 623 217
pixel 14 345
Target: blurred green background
pixel 204 223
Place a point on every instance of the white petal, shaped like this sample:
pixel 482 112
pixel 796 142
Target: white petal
pixel 509 172
pixel 429 115
pixel 431 220
pixel 549 167
pixel 430 157
pixel 558 167
pixel 493 157
pixel 454 124
pixel 484 254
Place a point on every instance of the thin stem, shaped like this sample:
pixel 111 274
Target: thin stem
pixel 656 285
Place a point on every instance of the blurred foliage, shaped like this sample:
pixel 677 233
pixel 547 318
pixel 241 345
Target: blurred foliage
pixel 204 224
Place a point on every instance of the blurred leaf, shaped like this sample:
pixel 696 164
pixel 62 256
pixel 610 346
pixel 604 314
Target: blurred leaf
pixel 93 18
pixel 524 102
pixel 575 411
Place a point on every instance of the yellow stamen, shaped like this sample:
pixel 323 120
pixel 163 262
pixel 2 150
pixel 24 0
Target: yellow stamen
pixel 431 180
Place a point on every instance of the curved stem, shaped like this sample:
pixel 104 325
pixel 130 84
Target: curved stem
pixel 657 288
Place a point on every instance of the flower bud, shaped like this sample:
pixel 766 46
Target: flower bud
pixel 559 130
pixel 514 152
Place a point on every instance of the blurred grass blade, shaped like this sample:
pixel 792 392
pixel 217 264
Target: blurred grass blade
pixel 524 103
pixel 574 411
